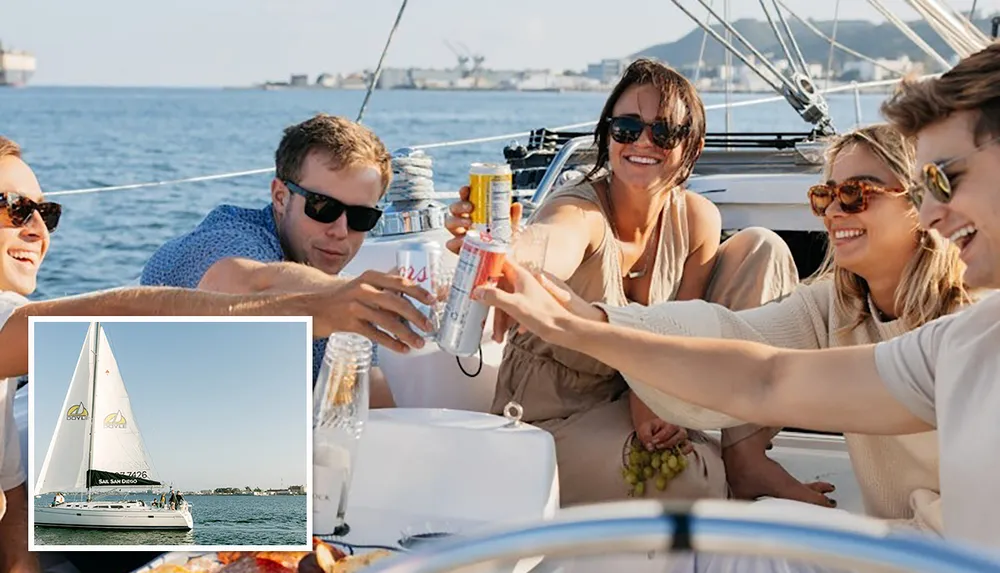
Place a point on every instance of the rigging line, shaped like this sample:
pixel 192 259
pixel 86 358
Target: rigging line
pixel 381 60
pixel 942 27
pixel 781 39
pixel 791 38
pixel 971 38
pixel 701 52
pixel 732 49
pixel 731 30
pixel 969 24
pixel 909 33
pixel 833 39
pixel 835 44
pixel 975 38
pixel 729 72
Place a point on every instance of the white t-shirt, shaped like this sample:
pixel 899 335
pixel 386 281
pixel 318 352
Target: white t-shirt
pixel 11 470
pixel 948 374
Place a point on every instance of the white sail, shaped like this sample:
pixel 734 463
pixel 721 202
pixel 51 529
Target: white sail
pixel 65 466
pixel 119 458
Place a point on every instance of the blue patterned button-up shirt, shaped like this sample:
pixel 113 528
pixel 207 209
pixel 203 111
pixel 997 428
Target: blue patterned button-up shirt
pixel 226 232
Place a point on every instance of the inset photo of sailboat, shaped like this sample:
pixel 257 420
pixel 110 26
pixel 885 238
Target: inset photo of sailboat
pixel 220 459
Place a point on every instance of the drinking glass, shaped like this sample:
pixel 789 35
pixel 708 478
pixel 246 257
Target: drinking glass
pixel 340 411
pixel 529 247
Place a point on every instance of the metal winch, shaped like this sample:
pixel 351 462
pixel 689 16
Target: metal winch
pixel 410 204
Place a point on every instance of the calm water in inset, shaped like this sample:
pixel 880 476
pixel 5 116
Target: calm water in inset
pixel 87 137
pixel 218 520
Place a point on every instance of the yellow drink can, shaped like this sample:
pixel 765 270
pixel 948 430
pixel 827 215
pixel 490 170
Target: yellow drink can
pixel 491 194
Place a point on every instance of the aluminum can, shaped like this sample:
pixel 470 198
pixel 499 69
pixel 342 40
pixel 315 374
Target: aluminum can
pixel 420 261
pixel 491 193
pixel 480 262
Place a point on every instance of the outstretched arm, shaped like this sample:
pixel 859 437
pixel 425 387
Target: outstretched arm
pixel 835 390
pixel 832 390
pixel 245 276
pixel 370 300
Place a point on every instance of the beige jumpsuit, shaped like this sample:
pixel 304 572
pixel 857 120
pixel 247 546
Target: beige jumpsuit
pixel 584 403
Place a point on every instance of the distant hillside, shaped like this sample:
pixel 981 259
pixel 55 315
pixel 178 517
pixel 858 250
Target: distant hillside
pixel 873 40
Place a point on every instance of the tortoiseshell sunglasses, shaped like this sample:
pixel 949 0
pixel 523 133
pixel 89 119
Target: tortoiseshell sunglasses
pixel 16 210
pixel 853 195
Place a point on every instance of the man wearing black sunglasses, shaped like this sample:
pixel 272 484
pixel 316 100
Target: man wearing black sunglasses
pixel 330 174
pixel 26 221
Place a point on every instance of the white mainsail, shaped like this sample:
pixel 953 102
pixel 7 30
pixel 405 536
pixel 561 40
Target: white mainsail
pixel 65 466
pixel 97 443
pixel 118 448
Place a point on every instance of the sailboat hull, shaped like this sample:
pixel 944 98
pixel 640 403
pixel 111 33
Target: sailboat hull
pixel 112 515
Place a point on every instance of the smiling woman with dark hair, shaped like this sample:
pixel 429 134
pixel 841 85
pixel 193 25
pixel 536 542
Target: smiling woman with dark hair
pixel 630 232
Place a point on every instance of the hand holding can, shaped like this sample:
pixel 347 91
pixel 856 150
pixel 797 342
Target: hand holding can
pixel 420 262
pixel 480 262
pixel 459 219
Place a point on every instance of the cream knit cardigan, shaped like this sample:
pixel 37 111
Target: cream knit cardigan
pixel 898 475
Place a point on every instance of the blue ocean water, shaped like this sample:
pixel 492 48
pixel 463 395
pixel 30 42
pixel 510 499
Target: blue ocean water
pixel 88 137
pixel 218 520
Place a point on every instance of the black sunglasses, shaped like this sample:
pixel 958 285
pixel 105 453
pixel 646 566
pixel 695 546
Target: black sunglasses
pixel 326 209
pixel 628 129
pixel 935 180
pixel 18 209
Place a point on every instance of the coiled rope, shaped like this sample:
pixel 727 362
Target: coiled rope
pixel 412 177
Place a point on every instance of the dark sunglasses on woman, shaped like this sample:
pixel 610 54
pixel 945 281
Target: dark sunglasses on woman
pixel 937 181
pixel 325 209
pixel 628 129
pixel 16 210
pixel 853 195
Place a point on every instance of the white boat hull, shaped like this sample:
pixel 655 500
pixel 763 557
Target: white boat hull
pixel 112 515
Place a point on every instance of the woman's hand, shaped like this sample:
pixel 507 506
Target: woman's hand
pixel 536 303
pixel 460 219
pixel 571 301
pixel 458 224
pixel 655 433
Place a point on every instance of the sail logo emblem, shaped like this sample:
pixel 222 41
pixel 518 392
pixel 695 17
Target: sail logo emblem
pixel 77 412
pixel 114 420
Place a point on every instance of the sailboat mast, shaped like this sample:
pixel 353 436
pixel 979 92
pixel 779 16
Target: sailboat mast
pixel 93 412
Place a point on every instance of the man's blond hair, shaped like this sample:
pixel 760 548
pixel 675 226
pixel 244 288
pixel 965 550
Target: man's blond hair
pixel 344 142
pixel 8 148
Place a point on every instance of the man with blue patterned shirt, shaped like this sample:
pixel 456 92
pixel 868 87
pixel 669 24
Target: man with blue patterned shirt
pixel 330 173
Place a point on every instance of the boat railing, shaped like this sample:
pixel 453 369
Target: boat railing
pixel 711 529
pixel 555 169
pixel 724 153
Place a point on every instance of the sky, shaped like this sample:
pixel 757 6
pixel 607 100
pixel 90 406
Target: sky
pixel 218 404
pixel 242 42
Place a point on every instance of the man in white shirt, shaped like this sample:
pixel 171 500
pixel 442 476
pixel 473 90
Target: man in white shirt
pixel 945 375
pixel 369 305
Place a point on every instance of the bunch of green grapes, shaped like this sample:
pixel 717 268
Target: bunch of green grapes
pixel 641 465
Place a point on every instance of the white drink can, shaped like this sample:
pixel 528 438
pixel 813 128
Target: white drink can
pixel 420 261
